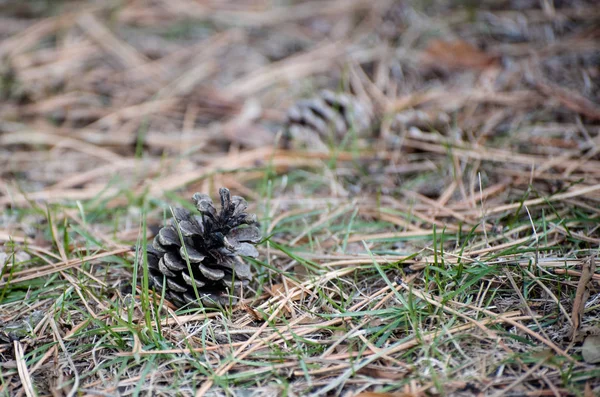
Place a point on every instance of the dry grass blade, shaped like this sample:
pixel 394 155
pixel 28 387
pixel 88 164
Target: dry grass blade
pixel 30 274
pixel 75 387
pixel 317 60
pixel 126 54
pixel 24 374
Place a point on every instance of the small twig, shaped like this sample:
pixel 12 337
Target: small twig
pixel 582 294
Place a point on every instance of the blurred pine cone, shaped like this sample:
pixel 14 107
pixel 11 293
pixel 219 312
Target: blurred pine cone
pixel 214 243
pixel 326 118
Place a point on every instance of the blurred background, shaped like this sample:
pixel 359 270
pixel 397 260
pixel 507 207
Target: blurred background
pixel 458 142
pixel 86 86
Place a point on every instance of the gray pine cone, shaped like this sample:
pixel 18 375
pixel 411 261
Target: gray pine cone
pixel 214 243
pixel 325 118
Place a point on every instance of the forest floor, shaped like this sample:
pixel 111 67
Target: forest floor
pixel 447 247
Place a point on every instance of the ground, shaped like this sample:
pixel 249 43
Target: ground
pixel 446 247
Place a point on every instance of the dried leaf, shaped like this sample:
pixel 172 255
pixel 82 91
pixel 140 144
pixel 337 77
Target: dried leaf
pixel 280 289
pixel 8 364
pixel 253 313
pixel 588 392
pixel 137 346
pixel 22 328
pixel 591 349
pixel 457 54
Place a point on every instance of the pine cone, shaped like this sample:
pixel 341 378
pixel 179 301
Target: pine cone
pixel 214 243
pixel 327 117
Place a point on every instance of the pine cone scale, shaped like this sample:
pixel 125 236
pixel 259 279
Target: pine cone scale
pixel 168 236
pixel 246 249
pixel 188 280
pixel 181 213
pixel 175 287
pixel 164 269
pixel 242 270
pixel 173 262
pixel 250 234
pixel 210 273
pixel 192 254
pixel 156 280
pixel 158 247
pixel 188 229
